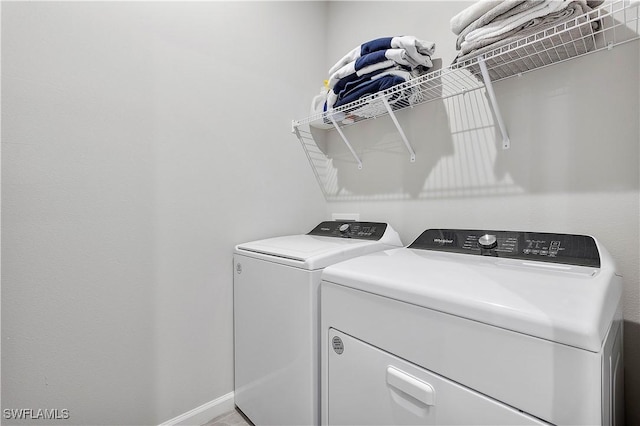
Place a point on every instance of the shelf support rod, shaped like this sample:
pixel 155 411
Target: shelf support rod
pixel 402 135
pixel 296 131
pixel 494 103
pixel 346 141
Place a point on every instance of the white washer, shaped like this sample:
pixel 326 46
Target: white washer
pixel 474 327
pixel 276 316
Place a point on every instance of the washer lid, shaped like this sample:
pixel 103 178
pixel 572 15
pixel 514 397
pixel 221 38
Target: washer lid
pixel 314 251
pixel 299 247
pixel 568 304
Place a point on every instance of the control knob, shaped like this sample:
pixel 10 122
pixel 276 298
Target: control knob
pixel 344 228
pixel 488 241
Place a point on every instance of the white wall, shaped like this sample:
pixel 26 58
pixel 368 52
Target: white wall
pixel 573 165
pixel 140 142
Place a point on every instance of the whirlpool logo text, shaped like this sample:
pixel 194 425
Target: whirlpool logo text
pixel 442 241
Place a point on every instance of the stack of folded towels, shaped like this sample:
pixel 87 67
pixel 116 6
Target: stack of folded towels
pixel 375 66
pixel 488 24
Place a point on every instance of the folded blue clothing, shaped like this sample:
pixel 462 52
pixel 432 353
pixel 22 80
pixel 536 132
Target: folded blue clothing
pixel 348 84
pixel 414 47
pixel 378 60
pixel 355 79
pixel 375 66
pixel 370 87
pixel 374 58
pixel 382 43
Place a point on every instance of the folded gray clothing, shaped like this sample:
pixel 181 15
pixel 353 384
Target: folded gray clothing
pixel 573 9
pixel 469 14
pixel 569 43
pixel 487 11
pixel 501 11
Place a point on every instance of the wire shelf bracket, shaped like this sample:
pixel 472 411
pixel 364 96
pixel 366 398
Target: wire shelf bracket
pixel 412 153
pixel 506 143
pixel 346 141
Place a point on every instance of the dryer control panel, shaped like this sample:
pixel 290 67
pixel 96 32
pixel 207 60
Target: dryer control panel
pixel 350 229
pixel 569 249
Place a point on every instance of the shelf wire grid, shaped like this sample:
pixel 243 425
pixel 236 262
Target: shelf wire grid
pixel 609 25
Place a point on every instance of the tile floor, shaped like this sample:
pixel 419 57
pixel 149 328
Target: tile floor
pixel 232 418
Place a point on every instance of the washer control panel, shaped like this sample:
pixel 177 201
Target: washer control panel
pixel 570 249
pixel 350 229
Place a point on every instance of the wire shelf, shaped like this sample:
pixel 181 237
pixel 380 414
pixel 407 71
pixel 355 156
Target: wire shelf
pixel 609 25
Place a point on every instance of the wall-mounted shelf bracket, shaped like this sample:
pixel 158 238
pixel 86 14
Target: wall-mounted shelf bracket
pixel 494 103
pixel 402 135
pixel 346 141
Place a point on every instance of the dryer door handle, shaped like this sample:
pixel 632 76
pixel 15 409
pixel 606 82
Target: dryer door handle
pixel 410 385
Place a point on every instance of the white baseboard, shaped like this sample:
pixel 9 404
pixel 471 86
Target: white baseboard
pixel 202 414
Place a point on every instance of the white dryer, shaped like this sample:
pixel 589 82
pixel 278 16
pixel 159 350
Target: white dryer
pixel 276 316
pixel 474 327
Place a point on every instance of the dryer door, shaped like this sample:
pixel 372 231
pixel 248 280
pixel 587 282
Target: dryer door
pixel 373 387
